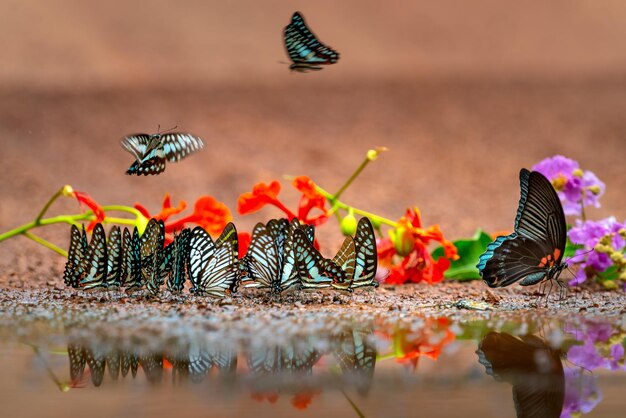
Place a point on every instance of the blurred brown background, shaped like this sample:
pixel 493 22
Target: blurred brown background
pixel 462 93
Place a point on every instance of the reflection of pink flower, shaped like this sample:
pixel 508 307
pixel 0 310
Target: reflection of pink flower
pixel 581 393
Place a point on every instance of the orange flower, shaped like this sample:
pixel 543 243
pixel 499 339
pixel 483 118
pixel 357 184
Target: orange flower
pixel 261 195
pixel 302 400
pixel 271 397
pixel 409 345
pixel 85 199
pixel 410 240
pixel 209 213
pixel 310 199
pixel 244 239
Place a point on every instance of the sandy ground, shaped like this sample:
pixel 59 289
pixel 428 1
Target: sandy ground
pixel 463 96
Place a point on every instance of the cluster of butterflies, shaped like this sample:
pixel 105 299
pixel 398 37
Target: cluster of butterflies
pixel 281 257
pixel 352 350
pixel 151 151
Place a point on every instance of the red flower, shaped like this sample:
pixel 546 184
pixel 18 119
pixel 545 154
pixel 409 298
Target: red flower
pixel 271 397
pixel 310 199
pixel 410 241
pixel 85 199
pixel 244 239
pixel 209 213
pixel 302 400
pixel 261 195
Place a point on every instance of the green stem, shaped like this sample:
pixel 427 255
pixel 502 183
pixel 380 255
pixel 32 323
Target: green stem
pixel 336 203
pixel 356 408
pixel 354 175
pixel 121 208
pixel 48 204
pixel 45 243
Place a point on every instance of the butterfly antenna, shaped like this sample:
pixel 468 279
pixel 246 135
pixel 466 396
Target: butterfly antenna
pixel 577 255
pixel 170 129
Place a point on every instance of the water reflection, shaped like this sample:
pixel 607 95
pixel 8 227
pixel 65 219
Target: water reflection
pixel 549 366
pixel 533 369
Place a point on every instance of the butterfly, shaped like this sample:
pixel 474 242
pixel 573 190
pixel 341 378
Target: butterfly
pixel 356 355
pixel 151 252
pixel 533 252
pixel 289 276
pixel 531 366
pixel 293 358
pixel 75 254
pixel 315 271
pixel 213 266
pixel 304 49
pixel 114 257
pixel 346 260
pixel 93 266
pixel 131 260
pixel 151 151
pixel 202 359
pixel 78 360
pixel 366 256
pixel 129 361
pixel 175 260
pixel 96 361
pixel 261 263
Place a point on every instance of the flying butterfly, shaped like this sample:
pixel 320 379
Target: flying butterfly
pixel 93 266
pixel 366 256
pixel 531 366
pixel 315 271
pixel 152 151
pixel 533 253
pixel 75 254
pixel 213 266
pixel 303 47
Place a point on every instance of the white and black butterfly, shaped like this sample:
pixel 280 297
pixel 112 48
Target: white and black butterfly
pixel 75 254
pixel 294 358
pixel 315 271
pixel 175 260
pixel 114 257
pixel 356 355
pixel 533 253
pixel 260 267
pixel 93 267
pixel 303 47
pixel 151 151
pixel 152 242
pixel 131 277
pixel 366 256
pixel 213 266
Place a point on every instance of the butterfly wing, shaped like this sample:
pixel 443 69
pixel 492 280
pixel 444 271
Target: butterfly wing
pixel 114 257
pixel 289 277
pixel 366 257
pixel 346 260
pixel 75 254
pixel 78 360
pixel 94 265
pixel 304 47
pixel 153 164
pixel 531 366
pixel 201 249
pixel 279 228
pixel 178 145
pixel 315 271
pixel 137 144
pixel 356 356
pixel 212 271
pixel 132 278
pixel 538 243
pixel 262 258
pixel 177 277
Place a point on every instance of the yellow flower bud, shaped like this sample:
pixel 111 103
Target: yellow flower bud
pixel 578 173
pixel 373 153
pixel 68 191
pixel 595 189
pixel 622 232
pixel 601 248
pixel 610 285
pixel 617 257
pixel 348 224
pixel 559 182
pixel 402 239
pixel 622 276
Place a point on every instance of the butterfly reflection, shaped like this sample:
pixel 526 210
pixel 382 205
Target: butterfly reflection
pixel 531 366
pixel 292 366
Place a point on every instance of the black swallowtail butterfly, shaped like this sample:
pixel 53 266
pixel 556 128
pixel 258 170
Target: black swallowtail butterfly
pixel 303 47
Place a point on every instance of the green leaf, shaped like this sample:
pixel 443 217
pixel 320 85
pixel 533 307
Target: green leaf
pixel 469 252
pixel 570 248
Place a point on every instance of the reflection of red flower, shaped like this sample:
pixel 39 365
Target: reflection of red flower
pixel 271 397
pixel 263 194
pixel 209 213
pixel 85 199
pixel 302 400
pixel 410 241
pixel 428 341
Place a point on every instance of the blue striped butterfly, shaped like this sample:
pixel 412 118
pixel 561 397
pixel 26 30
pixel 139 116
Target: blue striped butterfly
pixel 303 47
pixel 152 242
pixel 151 151
pixel 261 264
pixel 346 260
pixel 179 260
pixel 356 356
pixel 279 228
pixel 315 271
pixel 75 254
pixel 213 266
pixel 289 276
pixel 78 360
pixel 93 266
pixel 96 360
pixel 114 257
pixel 131 267
pixel 531 366
pixel 366 256
pixel 114 363
pixel 533 253
pixel 129 362
pixel 202 359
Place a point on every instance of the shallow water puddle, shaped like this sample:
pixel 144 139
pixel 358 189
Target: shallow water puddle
pixel 313 364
